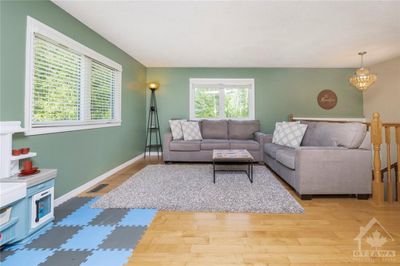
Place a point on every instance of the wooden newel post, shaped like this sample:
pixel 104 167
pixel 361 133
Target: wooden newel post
pixel 389 164
pixel 398 161
pixel 376 138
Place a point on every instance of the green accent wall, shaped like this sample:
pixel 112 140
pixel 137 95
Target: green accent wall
pixel 279 92
pixel 81 155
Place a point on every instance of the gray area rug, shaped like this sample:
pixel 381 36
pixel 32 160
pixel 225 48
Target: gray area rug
pixel 189 187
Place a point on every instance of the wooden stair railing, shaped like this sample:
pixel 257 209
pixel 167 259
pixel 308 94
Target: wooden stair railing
pixel 376 138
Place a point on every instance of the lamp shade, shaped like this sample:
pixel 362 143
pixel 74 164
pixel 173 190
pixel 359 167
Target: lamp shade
pixel 154 85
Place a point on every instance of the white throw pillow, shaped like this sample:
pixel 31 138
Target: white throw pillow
pixel 176 128
pixel 191 130
pixel 289 134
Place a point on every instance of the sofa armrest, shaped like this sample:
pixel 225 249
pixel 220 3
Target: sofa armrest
pixel 166 141
pixel 333 170
pixel 263 138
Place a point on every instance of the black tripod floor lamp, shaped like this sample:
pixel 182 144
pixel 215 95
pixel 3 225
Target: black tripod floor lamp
pixel 153 135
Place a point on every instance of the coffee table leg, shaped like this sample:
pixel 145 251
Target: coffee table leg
pixel 214 171
pixel 251 172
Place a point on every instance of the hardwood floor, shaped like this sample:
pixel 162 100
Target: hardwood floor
pixel 323 235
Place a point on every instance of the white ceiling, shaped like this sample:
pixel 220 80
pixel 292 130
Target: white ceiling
pixel 245 33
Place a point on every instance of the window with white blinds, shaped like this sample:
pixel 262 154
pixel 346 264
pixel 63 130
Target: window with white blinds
pixel 68 86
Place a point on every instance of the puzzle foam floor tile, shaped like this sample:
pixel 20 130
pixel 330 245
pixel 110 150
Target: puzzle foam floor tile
pixel 54 237
pixel 66 208
pixel 82 216
pixel 123 237
pixel 27 258
pixel 138 217
pixel 66 258
pixel 22 244
pixel 109 217
pixel 5 253
pixel 90 237
pixel 107 258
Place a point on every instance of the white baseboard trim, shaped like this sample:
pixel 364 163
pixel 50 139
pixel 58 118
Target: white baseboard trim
pixel 75 192
pixel 153 153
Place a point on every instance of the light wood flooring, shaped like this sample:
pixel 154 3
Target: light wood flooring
pixel 323 235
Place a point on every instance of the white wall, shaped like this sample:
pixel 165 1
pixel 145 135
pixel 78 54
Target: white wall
pixel 384 95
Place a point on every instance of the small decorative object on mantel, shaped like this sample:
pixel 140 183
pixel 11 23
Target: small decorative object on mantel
pixel 28 169
pixel 362 79
pixel 25 150
pixel 16 152
pixel 327 99
pixel 153 124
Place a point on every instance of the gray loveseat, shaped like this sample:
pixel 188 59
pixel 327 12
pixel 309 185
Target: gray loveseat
pixel 334 158
pixel 217 134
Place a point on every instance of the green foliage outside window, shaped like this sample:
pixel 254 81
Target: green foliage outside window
pixel 235 105
pixel 206 103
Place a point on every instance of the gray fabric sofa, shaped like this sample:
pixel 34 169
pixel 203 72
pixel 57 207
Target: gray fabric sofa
pixel 334 158
pixel 217 134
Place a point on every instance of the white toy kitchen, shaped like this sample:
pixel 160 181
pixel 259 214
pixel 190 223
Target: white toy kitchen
pixel 26 201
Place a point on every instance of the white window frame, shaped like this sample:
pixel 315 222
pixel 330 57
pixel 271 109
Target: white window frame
pixel 35 26
pixel 222 82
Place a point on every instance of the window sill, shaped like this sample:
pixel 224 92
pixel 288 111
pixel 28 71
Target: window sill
pixel 58 129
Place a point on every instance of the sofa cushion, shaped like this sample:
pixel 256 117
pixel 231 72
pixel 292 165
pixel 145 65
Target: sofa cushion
pixel 244 144
pixel 211 144
pixel 287 157
pixel 214 129
pixel 316 136
pixel 271 149
pixel 185 145
pixel 243 129
pixel 348 135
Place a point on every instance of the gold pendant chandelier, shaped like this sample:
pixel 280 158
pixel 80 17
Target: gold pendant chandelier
pixel 362 79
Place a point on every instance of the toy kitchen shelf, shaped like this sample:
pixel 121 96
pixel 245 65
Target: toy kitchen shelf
pixel 9 164
pixel 23 156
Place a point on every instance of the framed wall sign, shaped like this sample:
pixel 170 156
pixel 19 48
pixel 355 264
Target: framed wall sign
pixel 327 99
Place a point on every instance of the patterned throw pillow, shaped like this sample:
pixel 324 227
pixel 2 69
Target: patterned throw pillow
pixel 191 131
pixel 176 128
pixel 289 134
